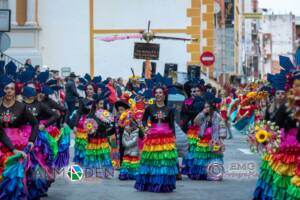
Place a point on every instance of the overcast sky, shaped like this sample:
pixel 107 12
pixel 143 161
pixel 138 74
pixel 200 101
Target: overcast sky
pixel 281 6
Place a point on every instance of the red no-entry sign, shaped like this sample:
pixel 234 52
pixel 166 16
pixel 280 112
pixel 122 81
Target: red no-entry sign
pixel 207 58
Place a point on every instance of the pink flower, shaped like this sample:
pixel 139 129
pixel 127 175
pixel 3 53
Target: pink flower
pixel 188 102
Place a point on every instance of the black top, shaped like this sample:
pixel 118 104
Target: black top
pixel 187 115
pixel 103 130
pixel 281 117
pixel 56 106
pixel 14 117
pixel 153 112
pixel 85 106
pixel 71 91
pixel 42 112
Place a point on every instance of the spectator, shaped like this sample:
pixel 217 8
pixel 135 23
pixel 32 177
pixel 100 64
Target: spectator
pixel 37 69
pixel 120 87
pixel 71 93
pixel 113 96
pixel 28 65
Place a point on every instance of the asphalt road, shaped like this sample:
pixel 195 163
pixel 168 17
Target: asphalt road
pixel 241 171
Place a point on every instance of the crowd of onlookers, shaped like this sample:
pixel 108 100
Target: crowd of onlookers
pixel 70 93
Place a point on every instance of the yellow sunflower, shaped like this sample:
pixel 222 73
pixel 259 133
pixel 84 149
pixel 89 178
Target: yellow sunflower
pixel 262 136
pixel 105 113
pixel 151 101
pixel 216 147
pixel 89 126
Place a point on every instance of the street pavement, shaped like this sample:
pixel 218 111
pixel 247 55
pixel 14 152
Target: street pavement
pixel 241 171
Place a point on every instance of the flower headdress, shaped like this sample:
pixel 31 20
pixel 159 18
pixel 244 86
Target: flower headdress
pixel 87 80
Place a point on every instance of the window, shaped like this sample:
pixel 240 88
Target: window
pixel 3 4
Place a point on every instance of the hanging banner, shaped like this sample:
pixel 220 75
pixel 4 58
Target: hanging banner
pixel 146 51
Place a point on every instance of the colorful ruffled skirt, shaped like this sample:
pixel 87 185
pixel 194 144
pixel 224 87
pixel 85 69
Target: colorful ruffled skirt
pixel 62 138
pixel 63 143
pixel 203 156
pixel 187 162
pixel 279 169
pixel 294 187
pixel 158 165
pixel 97 154
pixel 129 168
pixel 81 136
pixel 31 179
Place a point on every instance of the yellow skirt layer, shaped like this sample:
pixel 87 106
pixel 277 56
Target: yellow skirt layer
pixel 283 169
pixel 97 146
pixel 163 147
pixel 296 181
pixel 81 135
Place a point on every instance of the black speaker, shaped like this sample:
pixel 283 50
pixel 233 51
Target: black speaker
pixel 193 72
pixel 169 69
pixel 153 69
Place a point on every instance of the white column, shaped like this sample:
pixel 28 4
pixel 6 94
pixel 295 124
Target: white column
pixel 31 13
pixel 12 5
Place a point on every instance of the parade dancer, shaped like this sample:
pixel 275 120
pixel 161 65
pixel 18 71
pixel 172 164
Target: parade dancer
pixel 130 164
pixel 121 107
pixel 279 166
pixel 46 117
pixel 81 135
pixel 16 135
pixel 158 165
pixel 61 128
pixel 190 108
pixel 209 148
pixel 99 125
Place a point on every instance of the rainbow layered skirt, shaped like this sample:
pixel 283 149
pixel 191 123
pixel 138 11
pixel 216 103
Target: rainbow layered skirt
pixel 158 165
pixel 279 173
pixel 203 156
pixel 97 154
pixel 192 135
pixel 129 168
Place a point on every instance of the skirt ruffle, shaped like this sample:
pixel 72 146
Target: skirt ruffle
pixel 97 154
pixel 80 145
pixel 158 165
pixel 129 168
pixel 203 156
pixel 31 177
pixel 63 157
pixel 187 162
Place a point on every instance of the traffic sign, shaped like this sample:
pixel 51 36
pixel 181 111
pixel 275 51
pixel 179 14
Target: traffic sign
pixel 207 58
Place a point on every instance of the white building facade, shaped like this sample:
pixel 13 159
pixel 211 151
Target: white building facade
pixel 61 33
pixel 278 39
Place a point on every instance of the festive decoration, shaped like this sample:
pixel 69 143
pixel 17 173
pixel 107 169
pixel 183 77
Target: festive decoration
pixel 217 146
pixel 90 125
pixel 104 116
pixel 264 137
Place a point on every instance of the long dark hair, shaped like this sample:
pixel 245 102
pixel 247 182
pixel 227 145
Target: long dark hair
pixel 212 109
